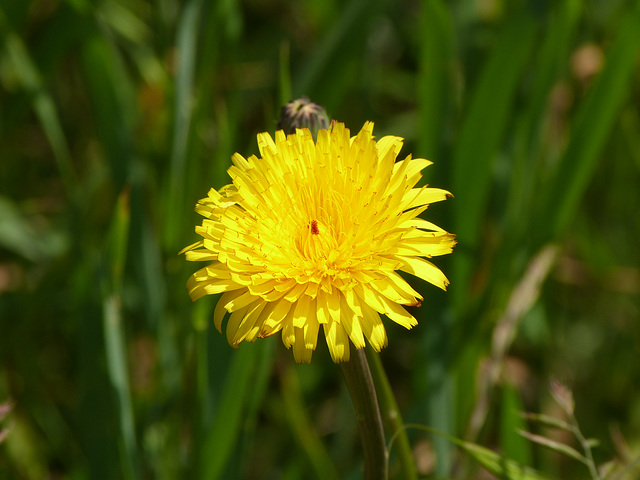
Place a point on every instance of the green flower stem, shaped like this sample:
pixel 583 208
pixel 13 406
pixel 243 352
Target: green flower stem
pixel 392 416
pixel 365 402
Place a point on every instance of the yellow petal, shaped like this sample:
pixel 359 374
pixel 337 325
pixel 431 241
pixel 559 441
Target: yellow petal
pixel 301 311
pixel 424 196
pixel 300 351
pixel 351 322
pixel 373 328
pixel 221 311
pixel 288 330
pixel 425 270
pixel 311 327
pixel 248 323
pixel 337 341
pixel 274 316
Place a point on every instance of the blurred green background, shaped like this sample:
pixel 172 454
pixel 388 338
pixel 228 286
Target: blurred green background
pixel 116 116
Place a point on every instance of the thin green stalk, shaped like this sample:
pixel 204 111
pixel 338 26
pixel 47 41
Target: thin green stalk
pixel 586 447
pixel 392 415
pixel 365 402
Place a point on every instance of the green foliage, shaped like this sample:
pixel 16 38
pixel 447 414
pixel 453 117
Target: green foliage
pixel 117 116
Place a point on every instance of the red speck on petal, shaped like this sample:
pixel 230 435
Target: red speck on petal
pixel 314 227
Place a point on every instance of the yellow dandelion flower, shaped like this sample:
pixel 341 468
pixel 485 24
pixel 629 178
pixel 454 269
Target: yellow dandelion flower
pixel 313 234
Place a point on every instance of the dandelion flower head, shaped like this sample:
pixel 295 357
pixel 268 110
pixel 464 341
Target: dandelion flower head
pixel 312 235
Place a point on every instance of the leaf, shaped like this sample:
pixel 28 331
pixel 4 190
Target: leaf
pixel 500 466
pixel 548 421
pixel 553 445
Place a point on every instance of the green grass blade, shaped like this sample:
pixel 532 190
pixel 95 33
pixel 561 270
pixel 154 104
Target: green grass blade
pixel 513 445
pixel 498 465
pixel 227 424
pixel 551 62
pixel 552 57
pixel 482 130
pixel 19 234
pixel 435 69
pixel 392 416
pixel 324 75
pixel 115 343
pixel 555 446
pixel 591 128
pixel 113 103
pixel 187 36
pixel 435 72
pixel 43 102
pixel 117 370
pixel 303 429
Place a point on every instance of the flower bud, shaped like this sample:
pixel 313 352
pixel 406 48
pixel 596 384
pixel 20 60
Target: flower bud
pixel 303 113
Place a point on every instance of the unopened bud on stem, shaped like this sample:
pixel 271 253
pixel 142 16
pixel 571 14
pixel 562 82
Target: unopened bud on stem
pixel 303 113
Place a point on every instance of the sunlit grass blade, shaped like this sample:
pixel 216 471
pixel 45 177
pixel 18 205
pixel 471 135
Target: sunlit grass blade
pixel 513 445
pixel 591 128
pixel 551 60
pixel 483 127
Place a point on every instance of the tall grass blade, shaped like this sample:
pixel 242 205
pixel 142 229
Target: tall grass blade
pixel 483 127
pixel 551 60
pixel 43 103
pixel 117 368
pixel 435 75
pixel 225 429
pixel 187 35
pixel 513 445
pixel 323 75
pixel 115 343
pixel 591 128
pixel 113 102
pixel 303 429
